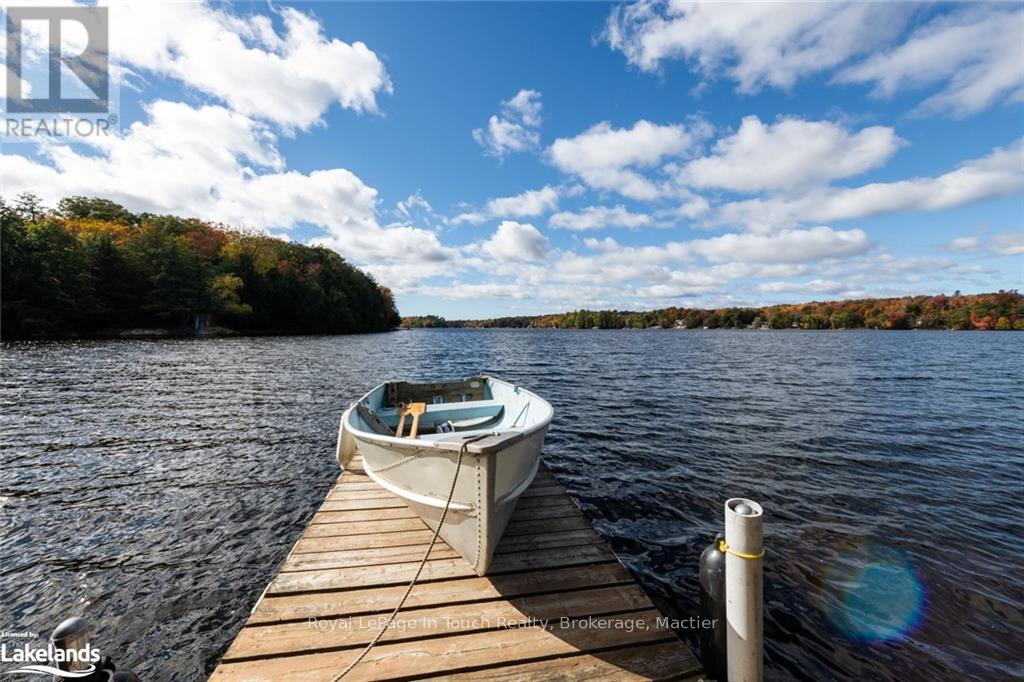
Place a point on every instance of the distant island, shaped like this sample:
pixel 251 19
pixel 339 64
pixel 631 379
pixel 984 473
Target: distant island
pixel 91 268
pixel 1001 311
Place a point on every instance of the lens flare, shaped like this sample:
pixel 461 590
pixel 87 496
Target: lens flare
pixel 873 595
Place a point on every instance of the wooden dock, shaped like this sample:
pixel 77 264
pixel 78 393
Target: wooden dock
pixel 557 604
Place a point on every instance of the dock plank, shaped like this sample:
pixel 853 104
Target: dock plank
pixel 351 631
pixel 556 603
pixel 339 578
pixel 661 662
pixel 274 609
pixel 419 658
pixel 323 547
pixel 312 544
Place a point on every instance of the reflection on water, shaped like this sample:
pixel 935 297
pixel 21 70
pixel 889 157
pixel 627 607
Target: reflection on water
pixel 155 486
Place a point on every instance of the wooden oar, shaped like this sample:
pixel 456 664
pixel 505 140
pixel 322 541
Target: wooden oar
pixel 415 409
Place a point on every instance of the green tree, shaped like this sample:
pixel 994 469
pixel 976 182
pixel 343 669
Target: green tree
pixel 177 280
pixel 95 208
pixel 55 288
pixel 226 289
pixel 29 207
pixel 846 319
pixel 693 319
pixel 118 288
pixel 606 319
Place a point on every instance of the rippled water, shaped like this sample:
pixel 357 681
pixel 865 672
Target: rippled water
pixel 155 486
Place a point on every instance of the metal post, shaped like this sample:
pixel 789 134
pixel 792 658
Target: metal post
pixel 743 591
pixel 71 635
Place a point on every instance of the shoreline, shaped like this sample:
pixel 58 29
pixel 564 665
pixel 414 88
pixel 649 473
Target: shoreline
pixel 141 334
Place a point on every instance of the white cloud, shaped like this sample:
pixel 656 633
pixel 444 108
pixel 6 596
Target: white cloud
pixel 598 217
pixel 692 207
pixel 813 287
pixel 394 246
pixel 515 129
pixel 789 246
pixel 606 158
pixel 1009 243
pixel 964 244
pixel 755 44
pixel 528 204
pixel 810 263
pixel 503 136
pixel 606 244
pixel 514 241
pixel 218 165
pixel 617 272
pixel 407 277
pixel 792 264
pixel 976 54
pixel 289 78
pixel 471 217
pixel 999 174
pixel 518 262
pixel 789 154
pixel 972 52
pixel 525 106
pixel 411 204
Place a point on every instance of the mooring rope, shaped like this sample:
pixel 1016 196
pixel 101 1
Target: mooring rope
pixel 405 460
pixel 724 548
pixel 423 562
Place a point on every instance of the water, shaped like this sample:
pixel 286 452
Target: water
pixel 155 486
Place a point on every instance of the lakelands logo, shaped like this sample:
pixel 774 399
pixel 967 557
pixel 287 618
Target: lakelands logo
pixel 42 660
pixel 57 75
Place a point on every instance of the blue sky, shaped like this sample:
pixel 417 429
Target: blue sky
pixel 487 159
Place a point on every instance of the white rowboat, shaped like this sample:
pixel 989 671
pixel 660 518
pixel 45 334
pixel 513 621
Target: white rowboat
pixel 498 427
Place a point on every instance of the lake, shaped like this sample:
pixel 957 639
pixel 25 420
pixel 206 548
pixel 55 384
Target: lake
pixel 155 486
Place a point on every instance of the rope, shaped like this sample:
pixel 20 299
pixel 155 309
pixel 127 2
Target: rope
pixel 423 562
pixel 724 547
pixel 415 454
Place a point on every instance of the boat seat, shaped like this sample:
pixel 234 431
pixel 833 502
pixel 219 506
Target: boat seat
pixel 468 414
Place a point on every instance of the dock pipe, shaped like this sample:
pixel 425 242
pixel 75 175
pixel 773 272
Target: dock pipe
pixel 72 637
pixel 744 552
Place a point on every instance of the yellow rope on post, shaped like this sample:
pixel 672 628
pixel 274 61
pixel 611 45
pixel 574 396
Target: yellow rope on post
pixel 725 548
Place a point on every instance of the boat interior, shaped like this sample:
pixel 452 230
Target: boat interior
pixel 473 404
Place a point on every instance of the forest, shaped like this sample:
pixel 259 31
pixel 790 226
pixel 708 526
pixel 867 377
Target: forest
pixel 1001 311
pixel 91 268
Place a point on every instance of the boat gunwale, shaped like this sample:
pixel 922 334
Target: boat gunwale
pixel 482 447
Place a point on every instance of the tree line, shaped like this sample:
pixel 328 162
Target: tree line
pixel 90 267
pixel 1002 311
